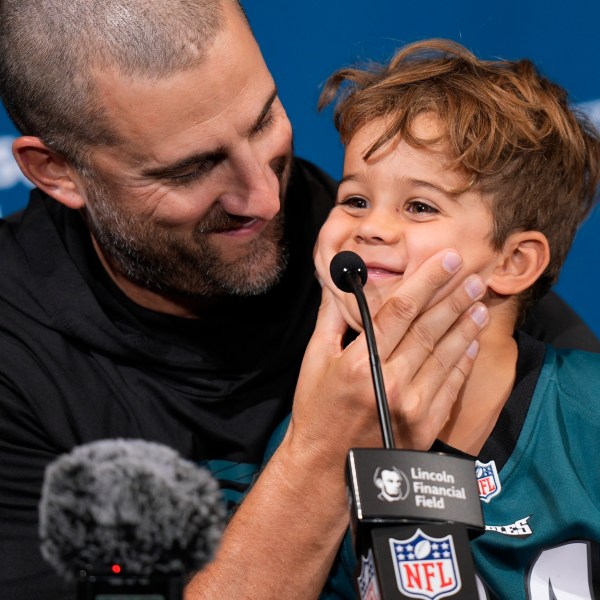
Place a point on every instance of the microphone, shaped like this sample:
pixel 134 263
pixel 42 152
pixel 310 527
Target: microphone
pixel 349 273
pixel 128 519
pixel 412 512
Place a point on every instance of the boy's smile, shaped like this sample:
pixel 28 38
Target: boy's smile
pixel 398 208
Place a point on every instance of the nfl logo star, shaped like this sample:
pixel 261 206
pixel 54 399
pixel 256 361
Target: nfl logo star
pixel 426 566
pixel 487 480
pixel 367 582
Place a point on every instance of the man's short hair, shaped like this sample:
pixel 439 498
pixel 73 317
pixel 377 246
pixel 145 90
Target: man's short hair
pixel 50 49
pixel 510 131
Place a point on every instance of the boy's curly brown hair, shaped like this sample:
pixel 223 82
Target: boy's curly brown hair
pixel 510 130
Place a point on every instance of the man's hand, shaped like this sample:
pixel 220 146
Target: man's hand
pixel 283 539
pixel 426 352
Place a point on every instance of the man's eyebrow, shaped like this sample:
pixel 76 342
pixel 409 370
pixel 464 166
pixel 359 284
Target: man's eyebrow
pixel 206 160
pixel 201 161
pixel 263 113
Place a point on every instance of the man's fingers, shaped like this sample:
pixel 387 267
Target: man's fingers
pixel 414 294
pixel 453 353
pixel 438 412
pixel 330 327
pixel 440 322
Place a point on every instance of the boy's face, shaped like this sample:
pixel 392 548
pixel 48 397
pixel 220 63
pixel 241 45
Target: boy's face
pixel 394 212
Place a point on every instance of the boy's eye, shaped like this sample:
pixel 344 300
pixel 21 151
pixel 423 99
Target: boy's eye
pixel 355 202
pixel 420 208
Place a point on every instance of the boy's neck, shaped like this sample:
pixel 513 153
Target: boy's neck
pixel 485 391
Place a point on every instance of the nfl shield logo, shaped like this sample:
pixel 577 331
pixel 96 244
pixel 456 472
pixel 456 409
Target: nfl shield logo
pixel 487 480
pixel 367 582
pixel 426 566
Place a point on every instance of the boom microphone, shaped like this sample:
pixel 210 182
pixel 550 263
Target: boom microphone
pixel 128 516
pixel 345 267
pixel 412 537
pixel 349 273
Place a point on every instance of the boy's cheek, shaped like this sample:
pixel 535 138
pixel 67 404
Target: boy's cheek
pixel 322 255
pixel 319 261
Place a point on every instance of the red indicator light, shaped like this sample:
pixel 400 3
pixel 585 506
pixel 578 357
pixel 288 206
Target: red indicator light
pixel 116 569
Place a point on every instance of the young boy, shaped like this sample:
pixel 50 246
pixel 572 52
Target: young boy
pixel 446 151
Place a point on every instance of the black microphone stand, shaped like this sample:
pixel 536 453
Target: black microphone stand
pixel 353 277
pixel 412 512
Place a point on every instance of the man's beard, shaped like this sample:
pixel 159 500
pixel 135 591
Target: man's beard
pixel 165 261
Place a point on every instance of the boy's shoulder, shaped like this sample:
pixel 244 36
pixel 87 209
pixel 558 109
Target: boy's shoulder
pixel 576 364
pixel 553 321
pixel 576 375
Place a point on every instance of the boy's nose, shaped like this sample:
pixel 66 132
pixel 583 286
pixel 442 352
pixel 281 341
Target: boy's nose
pixel 378 228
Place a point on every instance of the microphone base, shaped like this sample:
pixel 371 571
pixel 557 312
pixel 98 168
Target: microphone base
pixel 427 560
pixel 396 487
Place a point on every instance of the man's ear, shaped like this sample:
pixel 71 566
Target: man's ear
pixel 523 259
pixel 48 171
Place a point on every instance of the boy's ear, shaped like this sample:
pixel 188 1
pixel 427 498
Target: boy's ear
pixel 523 259
pixel 48 171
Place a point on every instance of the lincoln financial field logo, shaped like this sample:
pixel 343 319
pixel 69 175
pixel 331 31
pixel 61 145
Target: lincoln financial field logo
pixel 430 488
pixel 392 484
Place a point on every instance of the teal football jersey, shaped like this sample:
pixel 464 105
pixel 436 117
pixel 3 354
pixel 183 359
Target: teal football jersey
pixel 543 514
pixel 539 484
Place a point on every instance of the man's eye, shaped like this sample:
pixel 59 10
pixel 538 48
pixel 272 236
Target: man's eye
pixel 187 177
pixel 196 171
pixel 265 123
pixel 355 202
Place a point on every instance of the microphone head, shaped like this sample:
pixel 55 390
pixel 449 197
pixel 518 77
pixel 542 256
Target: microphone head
pixel 133 503
pixel 344 263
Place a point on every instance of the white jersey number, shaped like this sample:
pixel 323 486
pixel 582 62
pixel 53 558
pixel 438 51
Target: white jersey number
pixel 560 573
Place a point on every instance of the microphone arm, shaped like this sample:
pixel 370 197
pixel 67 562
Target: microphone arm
pixel 355 283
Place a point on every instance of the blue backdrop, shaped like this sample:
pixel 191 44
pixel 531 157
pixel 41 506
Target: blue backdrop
pixel 303 42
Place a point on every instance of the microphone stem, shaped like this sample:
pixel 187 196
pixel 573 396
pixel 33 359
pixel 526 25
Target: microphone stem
pixel 380 395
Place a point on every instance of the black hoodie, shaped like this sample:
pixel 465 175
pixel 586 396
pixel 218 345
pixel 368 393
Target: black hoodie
pixel 79 361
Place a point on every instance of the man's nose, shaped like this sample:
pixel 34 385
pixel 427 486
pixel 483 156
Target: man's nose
pixel 257 191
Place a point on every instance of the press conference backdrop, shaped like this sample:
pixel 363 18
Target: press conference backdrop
pixel 303 42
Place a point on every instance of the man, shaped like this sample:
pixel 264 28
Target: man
pixel 155 287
